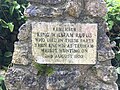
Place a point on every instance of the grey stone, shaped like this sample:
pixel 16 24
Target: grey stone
pixel 106 74
pixel 21 79
pixel 95 7
pixel 101 76
pixel 24 32
pixel 63 79
pixel 49 2
pixel 72 8
pixel 20 56
pixel 113 44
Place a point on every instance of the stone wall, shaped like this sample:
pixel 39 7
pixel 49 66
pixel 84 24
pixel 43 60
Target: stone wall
pixel 101 76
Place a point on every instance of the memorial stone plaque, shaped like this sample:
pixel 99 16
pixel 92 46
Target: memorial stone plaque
pixel 64 43
pixel 60 33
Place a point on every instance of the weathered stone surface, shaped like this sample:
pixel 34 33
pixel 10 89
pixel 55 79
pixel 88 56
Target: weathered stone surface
pixel 106 74
pixel 14 77
pixel 101 76
pixel 43 11
pixel 63 79
pixel 21 79
pixel 96 8
pixel 99 85
pixel 48 2
pixel 72 8
pixel 21 54
pixel 105 54
pixel 24 32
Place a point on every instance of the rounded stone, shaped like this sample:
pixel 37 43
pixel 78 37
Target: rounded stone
pixel 96 8
pixel 74 8
pixel 106 74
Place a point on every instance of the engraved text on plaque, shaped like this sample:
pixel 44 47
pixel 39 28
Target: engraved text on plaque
pixel 64 43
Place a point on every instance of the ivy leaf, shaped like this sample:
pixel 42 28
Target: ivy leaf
pixel 16 5
pixel 110 23
pixel 118 70
pixel 8 1
pixel 118 52
pixel 43 69
pixel 8 54
pixel 1 88
pixel 1 78
pixel 12 10
pixel 49 71
pixel 11 27
pixel 117 56
pixel 4 24
pixel 5 68
pixel 117 38
pixel 118 17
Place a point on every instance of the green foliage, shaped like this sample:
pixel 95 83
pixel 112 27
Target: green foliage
pixel 43 69
pixel 113 15
pixel 113 19
pixel 10 26
pixel 11 18
pixel 8 54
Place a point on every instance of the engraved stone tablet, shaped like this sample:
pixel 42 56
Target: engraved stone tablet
pixel 64 43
